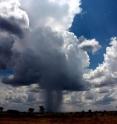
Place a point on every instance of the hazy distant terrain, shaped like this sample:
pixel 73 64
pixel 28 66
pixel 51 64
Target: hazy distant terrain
pixel 61 118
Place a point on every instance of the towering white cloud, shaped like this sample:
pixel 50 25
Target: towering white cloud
pixel 57 14
pixel 103 80
pixel 106 73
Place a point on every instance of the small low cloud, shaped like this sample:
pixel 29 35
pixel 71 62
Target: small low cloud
pixel 88 45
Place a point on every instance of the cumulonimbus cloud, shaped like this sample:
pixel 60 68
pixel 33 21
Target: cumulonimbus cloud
pixel 52 56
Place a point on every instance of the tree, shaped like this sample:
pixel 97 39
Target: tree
pixel 1 109
pixel 42 109
pixel 31 110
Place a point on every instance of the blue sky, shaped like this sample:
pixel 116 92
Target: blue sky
pixel 97 20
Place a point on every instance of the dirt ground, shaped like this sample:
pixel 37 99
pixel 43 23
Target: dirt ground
pixel 105 119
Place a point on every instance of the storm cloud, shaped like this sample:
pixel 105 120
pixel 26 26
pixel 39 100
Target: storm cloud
pixel 51 57
pixel 50 64
pixel 6 43
pixel 11 26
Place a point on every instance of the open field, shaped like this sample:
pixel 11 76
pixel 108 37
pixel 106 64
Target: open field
pixel 66 118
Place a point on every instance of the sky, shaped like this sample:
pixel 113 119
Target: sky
pixel 59 54
pixel 101 15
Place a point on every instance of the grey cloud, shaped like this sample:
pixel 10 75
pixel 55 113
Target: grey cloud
pixel 105 100
pixel 46 64
pixel 6 44
pixel 10 25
